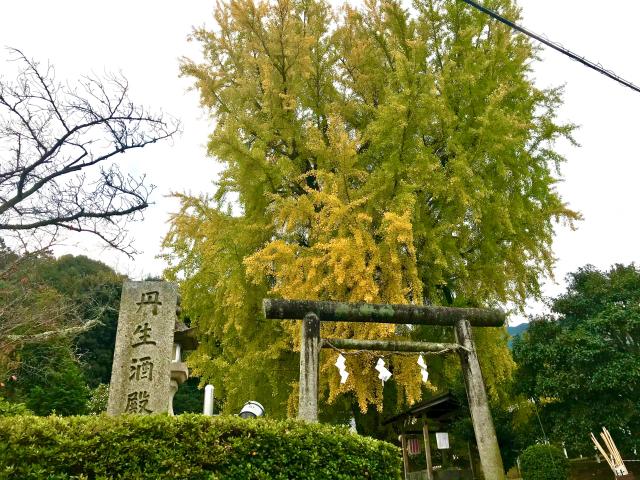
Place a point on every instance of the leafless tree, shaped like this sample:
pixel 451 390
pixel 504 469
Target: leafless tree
pixel 58 149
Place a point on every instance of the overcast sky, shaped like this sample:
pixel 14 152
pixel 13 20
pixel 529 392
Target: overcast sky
pixel 145 39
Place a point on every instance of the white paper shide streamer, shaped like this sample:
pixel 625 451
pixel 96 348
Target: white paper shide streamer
pixel 340 363
pixel 423 369
pixel 384 373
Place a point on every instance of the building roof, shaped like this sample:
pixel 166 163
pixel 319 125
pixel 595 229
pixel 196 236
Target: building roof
pixel 185 336
pixel 435 408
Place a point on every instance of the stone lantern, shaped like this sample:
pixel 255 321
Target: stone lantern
pixel 183 340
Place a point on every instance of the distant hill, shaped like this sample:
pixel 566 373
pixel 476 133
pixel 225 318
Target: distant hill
pixel 516 330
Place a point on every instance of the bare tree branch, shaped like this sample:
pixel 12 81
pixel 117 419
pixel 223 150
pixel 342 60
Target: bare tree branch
pixel 53 138
pixel 53 334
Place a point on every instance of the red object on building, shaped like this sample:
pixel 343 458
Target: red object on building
pixel 414 446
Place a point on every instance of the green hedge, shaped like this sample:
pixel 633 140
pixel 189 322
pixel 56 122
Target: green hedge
pixel 543 462
pixel 187 447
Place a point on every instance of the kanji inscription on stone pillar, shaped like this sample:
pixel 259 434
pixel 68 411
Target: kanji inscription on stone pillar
pixel 141 374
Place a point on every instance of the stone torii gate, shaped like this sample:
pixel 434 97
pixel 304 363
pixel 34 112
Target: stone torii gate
pixel 462 319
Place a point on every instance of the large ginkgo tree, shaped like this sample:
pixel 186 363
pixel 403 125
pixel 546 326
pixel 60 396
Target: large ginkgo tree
pixel 381 153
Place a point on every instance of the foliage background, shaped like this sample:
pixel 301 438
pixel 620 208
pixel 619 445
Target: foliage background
pixel 582 364
pixel 56 375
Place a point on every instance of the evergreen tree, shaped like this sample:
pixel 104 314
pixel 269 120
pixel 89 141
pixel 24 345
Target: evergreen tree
pixel 45 294
pixel 28 307
pixel 582 365
pixel 50 380
pixel 94 288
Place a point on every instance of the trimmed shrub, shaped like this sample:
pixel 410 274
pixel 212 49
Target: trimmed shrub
pixel 188 447
pixel 543 462
pixel 98 400
pixel 10 409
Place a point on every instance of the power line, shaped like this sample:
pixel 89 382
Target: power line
pixel 598 68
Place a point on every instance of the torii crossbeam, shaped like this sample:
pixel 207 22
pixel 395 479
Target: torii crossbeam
pixel 462 319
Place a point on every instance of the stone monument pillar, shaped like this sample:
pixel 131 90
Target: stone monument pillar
pixel 141 376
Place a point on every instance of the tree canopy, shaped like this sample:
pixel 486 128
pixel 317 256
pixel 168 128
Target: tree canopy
pixel 94 288
pixel 377 154
pixel 58 146
pixel 583 367
pixel 30 310
pixel 49 357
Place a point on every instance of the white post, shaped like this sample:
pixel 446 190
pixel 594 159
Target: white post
pixel 208 400
pixel 177 352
